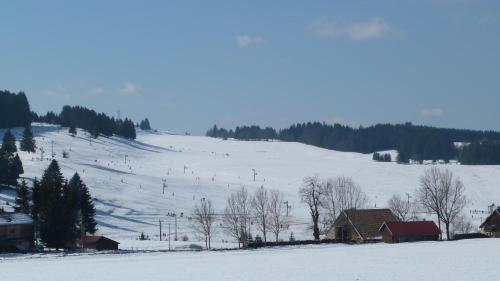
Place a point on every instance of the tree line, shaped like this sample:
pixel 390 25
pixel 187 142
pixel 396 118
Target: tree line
pixel 243 133
pixel 14 110
pixel 95 123
pixel 413 143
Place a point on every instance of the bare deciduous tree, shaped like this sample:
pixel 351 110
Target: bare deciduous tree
pixel 441 194
pixel 203 221
pixel 340 194
pixel 260 201
pixel 277 213
pixel 402 208
pixel 311 194
pixel 237 215
pixel 454 202
pixel 462 225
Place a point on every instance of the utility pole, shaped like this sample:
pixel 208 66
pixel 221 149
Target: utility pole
pixel 126 158
pixel 159 220
pixel 42 152
pixel 164 185
pixel 169 237
pixel 254 174
pixel 288 207
pixel 408 196
pixel 175 237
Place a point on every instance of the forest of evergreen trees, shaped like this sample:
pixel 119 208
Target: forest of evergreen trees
pixel 87 119
pixel 244 133
pixel 14 110
pixel 481 153
pixel 62 210
pixel 412 142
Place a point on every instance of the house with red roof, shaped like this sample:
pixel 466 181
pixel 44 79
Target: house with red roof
pixel 409 231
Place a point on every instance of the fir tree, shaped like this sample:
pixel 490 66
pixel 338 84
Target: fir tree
pixel 51 213
pixel 87 210
pixel 28 142
pixel 71 213
pixel 15 170
pixel 145 124
pixel 9 142
pixel 72 130
pixel 36 198
pixel 22 199
pixel 10 168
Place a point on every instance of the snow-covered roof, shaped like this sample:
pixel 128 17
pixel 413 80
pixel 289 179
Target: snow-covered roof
pixel 15 218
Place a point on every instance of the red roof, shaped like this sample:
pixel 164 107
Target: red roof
pixel 91 239
pixel 411 228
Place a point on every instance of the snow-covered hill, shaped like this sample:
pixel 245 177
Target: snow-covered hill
pixel 126 177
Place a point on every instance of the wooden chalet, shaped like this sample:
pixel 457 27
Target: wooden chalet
pixel 99 243
pixel 358 225
pixel 16 232
pixel 491 226
pixel 409 231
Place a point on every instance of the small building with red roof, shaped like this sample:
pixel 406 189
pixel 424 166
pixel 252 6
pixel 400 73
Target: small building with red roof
pixel 409 231
pixel 99 243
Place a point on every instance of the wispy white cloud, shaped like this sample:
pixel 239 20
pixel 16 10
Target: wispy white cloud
pixel 59 92
pixel 167 105
pixel 488 18
pixel 432 112
pixel 131 89
pixel 357 31
pixel 244 41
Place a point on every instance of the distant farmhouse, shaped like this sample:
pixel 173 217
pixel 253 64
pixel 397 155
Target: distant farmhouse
pixel 360 225
pixel 397 232
pixel 16 232
pixel 491 226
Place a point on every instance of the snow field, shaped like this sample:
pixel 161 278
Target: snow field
pixel 126 178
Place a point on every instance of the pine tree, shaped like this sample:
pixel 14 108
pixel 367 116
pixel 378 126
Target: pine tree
pixel 4 167
pixel 145 124
pixel 9 142
pixel 28 142
pixel 36 198
pixel 87 210
pixel 10 168
pixel 51 213
pixel 72 130
pixel 15 169
pixel 71 213
pixel 22 199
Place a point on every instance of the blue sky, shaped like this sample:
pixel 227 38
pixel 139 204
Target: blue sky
pixel 190 64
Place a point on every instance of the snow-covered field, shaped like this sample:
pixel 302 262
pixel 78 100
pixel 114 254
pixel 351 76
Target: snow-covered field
pixel 457 260
pixel 126 178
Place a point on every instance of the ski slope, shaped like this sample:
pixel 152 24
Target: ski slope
pixel 464 260
pixel 126 177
